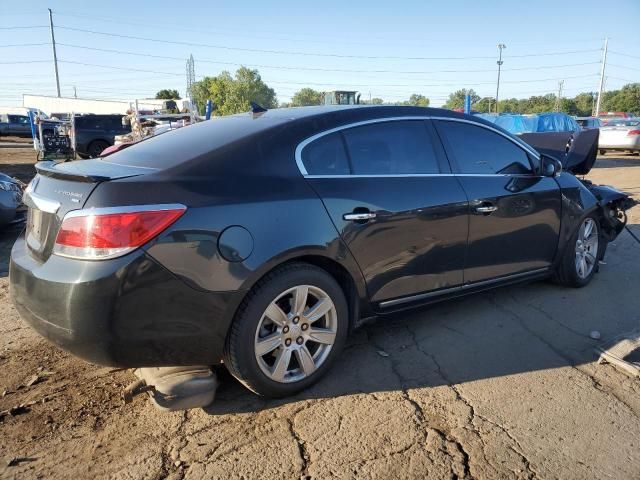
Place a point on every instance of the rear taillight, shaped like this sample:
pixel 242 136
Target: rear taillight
pixel 97 234
pixel 633 132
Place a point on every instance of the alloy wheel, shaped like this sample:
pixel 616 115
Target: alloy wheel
pixel 296 334
pixel 586 248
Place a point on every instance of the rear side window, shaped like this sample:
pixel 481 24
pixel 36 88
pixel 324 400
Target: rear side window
pixel 385 148
pixel 477 150
pixel 326 156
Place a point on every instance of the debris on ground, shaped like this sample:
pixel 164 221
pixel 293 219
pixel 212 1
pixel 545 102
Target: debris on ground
pixel 621 353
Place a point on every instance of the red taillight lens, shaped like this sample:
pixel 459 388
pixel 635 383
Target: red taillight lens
pixel 98 235
pixel 633 132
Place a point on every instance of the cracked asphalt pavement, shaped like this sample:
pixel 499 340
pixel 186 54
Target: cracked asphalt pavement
pixel 498 385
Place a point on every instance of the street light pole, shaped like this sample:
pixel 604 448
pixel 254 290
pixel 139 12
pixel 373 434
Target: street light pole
pixel 499 62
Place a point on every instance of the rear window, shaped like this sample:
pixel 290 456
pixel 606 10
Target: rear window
pixel 184 144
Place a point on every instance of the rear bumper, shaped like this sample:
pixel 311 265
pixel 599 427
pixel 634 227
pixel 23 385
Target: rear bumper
pixel 125 312
pixel 632 143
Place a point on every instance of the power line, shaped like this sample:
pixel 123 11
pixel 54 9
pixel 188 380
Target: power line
pixel 23 45
pixel 119 68
pixel 24 27
pixel 149 55
pixel 219 31
pixel 178 74
pixel 624 54
pixel 315 54
pixel 24 61
pixel 623 66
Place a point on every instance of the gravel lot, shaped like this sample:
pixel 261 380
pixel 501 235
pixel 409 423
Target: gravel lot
pixel 500 385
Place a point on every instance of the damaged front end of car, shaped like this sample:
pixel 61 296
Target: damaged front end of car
pixel 614 205
pixel 577 151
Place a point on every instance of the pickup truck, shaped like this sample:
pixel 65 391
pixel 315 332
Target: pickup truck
pixel 14 125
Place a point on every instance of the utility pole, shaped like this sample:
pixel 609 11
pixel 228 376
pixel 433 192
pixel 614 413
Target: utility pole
pixel 499 62
pixel 75 92
pixel 501 46
pixel 601 87
pixel 559 97
pixel 55 57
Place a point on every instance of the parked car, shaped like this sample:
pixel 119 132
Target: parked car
pixel 607 117
pixel 620 135
pixel 94 133
pixel 10 200
pixel 261 240
pixel 15 125
pixel 589 122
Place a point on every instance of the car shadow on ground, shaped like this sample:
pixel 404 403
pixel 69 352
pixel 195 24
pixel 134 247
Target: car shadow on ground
pixel 510 331
pixel 619 161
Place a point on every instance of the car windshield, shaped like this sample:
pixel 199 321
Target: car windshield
pixel 624 123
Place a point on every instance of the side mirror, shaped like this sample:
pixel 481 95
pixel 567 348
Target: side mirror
pixel 551 167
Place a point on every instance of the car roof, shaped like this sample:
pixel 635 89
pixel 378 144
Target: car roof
pixel 205 137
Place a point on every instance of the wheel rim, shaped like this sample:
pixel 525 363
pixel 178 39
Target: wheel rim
pixel 586 248
pixel 296 334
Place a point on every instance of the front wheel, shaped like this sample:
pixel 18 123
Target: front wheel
pixel 288 331
pixel 580 260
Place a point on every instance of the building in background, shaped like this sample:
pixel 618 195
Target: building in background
pixel 52 104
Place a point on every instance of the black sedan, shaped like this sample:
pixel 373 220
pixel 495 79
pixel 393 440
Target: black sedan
pixel 261 239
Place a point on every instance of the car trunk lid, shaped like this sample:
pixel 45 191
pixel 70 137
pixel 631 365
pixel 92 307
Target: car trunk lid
pixel 59 188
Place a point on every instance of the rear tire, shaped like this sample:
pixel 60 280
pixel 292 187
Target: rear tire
pixel 580 259
pixel 271 347
pixel 96 147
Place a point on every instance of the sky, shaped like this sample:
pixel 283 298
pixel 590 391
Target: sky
pixel 381 49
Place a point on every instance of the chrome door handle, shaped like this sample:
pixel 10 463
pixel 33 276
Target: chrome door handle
pixel 359 216
pixel 486 209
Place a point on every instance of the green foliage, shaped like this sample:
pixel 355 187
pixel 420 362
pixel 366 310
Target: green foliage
pixel 379 101
pixel 417 100
pixel 484 105
pixel 627 99
pixel 234 94
pixel 306 97
pixel 168 94
pixel 456 99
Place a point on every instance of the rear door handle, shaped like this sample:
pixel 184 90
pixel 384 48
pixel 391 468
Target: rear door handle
pixel 486 209
pixel 354 217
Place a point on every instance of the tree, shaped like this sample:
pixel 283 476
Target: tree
pixel 306 97
pixel 456 99
pixel 483 105
pixel 417 100
pixel 627 99
pixel 234 94
pixel 376 101
pixel 167 94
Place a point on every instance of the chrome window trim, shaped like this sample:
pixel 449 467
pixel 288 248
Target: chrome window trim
pixel 404 175
pixel 515 140
pixel 85 212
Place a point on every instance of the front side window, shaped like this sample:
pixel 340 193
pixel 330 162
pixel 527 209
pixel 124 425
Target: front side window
pixel 391 148
pixel 477 150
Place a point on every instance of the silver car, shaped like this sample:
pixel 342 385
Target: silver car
pixel 621 135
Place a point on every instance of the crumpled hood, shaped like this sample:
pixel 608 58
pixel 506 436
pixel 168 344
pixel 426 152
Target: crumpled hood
pixel 576 150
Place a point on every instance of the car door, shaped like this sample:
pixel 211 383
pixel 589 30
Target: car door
pixel 404 222
pixel 514 220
